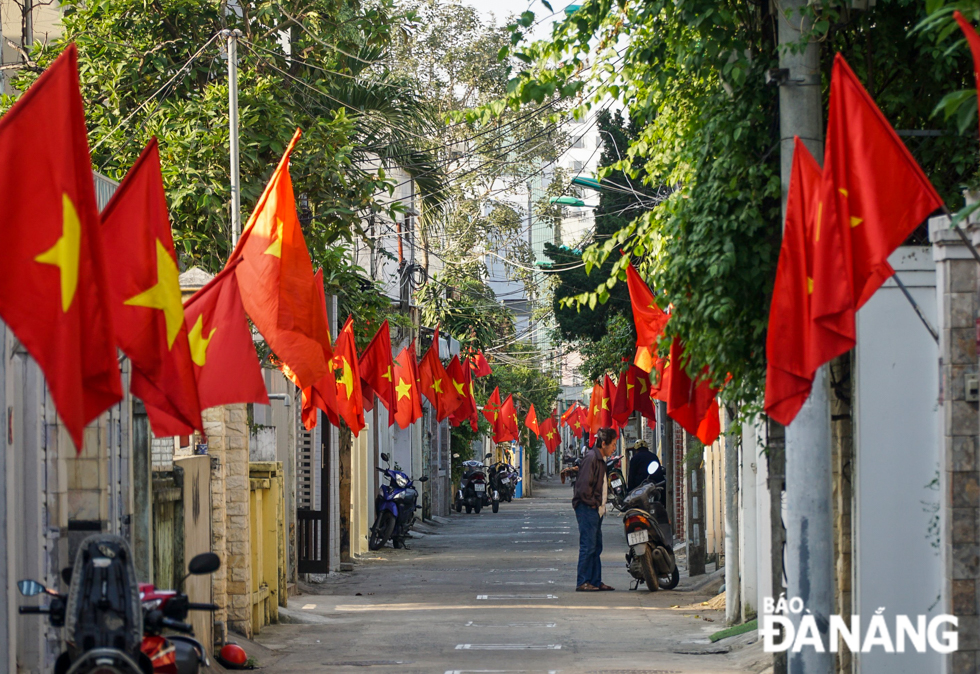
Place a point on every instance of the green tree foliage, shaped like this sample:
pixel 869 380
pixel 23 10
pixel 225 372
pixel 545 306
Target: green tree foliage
pixel 690 74
pixel 159 68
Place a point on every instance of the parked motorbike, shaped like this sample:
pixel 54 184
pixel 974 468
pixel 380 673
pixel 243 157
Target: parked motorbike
pixel 651 555
pixel 503 480
pixel 617 483
pixel 101 614
pixel 394 507
pixel 472 492
pixel 570 472
pixel 168 609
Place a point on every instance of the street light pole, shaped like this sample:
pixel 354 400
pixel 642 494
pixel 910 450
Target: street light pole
pixel 809 529
pixel 236 195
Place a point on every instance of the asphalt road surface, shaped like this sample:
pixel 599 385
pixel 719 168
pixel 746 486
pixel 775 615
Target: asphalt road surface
pixel 495 594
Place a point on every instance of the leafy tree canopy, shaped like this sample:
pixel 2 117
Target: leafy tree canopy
pixel 690 75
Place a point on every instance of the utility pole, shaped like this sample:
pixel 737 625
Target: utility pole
pixel 809 529
pixel 236 193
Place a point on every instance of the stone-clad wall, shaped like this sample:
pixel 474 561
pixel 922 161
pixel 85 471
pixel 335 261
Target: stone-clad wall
pixel 956 281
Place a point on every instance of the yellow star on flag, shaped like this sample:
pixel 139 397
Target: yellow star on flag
pixel 643 385
pixel 198 342
pixel 629 387
pixel 346 378
pixel 605 403
pixel 551 434
pixel 65 253
pixel 164 295
pixel 437 385
pixel 275 248
pixel 459 386
pixel 578 424
pixel 404 389
pixel 387 375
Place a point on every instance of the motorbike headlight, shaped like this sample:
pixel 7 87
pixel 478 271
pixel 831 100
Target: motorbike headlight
pixel 401 481
pixel 152 604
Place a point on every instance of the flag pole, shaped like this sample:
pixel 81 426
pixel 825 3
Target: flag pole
pixel 236 195
pixel 918 310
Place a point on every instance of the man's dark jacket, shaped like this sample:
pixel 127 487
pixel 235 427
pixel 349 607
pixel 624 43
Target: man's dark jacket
pixel 588 484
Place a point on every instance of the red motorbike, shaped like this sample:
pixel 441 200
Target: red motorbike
pixel 168 609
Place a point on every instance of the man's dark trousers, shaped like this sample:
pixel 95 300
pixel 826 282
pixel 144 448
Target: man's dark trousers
pixel 589 545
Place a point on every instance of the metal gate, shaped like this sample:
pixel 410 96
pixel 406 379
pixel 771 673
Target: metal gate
pixel 311 499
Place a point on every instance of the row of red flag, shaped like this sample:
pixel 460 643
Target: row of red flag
pixel 77 284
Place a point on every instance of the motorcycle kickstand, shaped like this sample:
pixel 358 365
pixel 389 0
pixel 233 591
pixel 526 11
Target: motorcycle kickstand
pixel 635 585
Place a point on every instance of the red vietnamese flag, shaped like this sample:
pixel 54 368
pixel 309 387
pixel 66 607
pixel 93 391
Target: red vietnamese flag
pixel 549 434
pixel 491 411
pixel 623 398
pixel 148 308
pixel 871 195
pixel 474 415
pixel 689 403
pixel 567 414
pixel 580 422
pixel 408 397
pixel 226 366
pixel 508 421
pixel 348 378
pixel 973 40
pixel 789 374
pixel 606 403
pixel 480 366
pixel 323 394
pixel 436 385
pixel 377 368
pixel 594 418
pixel 459 381
pixel 276 279
pixel 648 318
pixel 643 393
pixel 53 291
pixel 531 421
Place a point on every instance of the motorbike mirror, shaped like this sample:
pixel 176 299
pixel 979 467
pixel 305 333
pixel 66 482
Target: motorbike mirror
pixel 30 588
pixel 456 456
pixel 487 455
pixel 66 575
pixel 424 478
pixel 384 457
pixel 204 563
pixel 653 467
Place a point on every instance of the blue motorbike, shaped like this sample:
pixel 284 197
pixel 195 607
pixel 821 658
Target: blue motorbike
pixel 394 507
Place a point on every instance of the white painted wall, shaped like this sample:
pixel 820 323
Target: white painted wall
pixel 897 454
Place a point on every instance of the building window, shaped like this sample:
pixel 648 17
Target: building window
pixel 579 143
pixel 577 165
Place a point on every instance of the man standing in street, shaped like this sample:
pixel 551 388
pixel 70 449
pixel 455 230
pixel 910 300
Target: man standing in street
pixel 589 500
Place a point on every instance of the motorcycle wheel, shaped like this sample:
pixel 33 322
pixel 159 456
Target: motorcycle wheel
pixel 469 509
pixel 477 508
pixel 646 568
pixel 381 531
pixel 508 498
pixel 496 506
pixel 675 578
pixel 459 507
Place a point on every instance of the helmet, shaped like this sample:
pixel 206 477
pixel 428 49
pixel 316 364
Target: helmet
pixel 232 656
pixel 640 444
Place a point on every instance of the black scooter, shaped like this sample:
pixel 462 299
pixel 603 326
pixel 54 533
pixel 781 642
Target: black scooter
pixel 101 613
pixel 472 492
pixel 651 540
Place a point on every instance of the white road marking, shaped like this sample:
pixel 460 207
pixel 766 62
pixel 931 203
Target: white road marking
pixel 542 625
pixel 494 597
pixel 546 540
pixel 545 569
pixel 508 647
pixel 307 607
pixel 521 582
pixel 495 671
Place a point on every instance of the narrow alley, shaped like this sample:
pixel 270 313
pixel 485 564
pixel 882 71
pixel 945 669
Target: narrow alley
pixel 495 593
